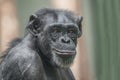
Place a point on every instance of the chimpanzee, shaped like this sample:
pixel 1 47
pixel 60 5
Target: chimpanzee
pixel 47 50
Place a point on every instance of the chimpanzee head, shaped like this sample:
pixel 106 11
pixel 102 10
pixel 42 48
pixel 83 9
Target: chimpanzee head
pixel 56 33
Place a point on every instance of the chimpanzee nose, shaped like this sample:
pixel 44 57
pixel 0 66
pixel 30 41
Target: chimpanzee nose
pixel 65 40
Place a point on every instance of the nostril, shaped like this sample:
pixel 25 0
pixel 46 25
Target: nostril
pixel 65 41
pixel 68 41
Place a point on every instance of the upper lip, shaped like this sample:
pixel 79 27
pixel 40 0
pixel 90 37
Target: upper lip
pixel 64 52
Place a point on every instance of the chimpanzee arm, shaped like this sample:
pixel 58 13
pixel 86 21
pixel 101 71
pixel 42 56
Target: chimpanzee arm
pixel 33 69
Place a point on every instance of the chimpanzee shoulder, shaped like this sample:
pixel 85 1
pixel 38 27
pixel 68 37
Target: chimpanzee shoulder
pixel 20 59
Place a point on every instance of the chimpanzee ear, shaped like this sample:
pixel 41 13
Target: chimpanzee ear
pixel 79 23
pixel 33 25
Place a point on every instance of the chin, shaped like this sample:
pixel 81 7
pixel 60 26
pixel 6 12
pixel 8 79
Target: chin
pixel 63 61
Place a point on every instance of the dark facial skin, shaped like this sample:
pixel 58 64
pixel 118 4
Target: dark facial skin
pixel 47 50
pixel 63 39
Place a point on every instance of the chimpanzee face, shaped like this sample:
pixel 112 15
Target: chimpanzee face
pixel 57 38
pixel 62 42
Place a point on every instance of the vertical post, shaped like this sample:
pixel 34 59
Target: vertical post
pixel 8 23
pixel 80 68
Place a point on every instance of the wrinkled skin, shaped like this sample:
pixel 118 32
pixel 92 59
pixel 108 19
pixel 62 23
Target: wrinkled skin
pixel 48 49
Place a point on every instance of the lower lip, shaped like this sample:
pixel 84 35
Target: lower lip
pixel 65 56
pixel 65 53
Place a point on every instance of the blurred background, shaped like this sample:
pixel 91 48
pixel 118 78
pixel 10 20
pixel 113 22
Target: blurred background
pixel 98 56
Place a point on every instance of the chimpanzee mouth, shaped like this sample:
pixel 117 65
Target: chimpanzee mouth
pixel 64 53
pixel 63 58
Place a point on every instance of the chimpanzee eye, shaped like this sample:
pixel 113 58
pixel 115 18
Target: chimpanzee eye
pixel 71 31
pixel 56 30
